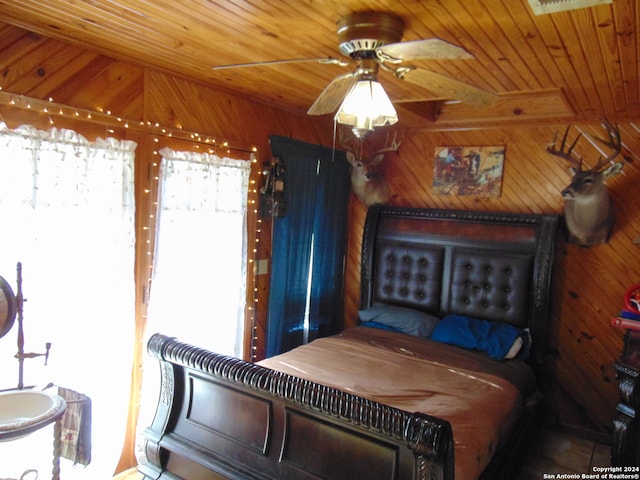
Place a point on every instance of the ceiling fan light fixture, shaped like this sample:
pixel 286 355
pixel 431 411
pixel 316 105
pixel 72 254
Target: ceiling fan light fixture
pixel 366 31
pixel 366 106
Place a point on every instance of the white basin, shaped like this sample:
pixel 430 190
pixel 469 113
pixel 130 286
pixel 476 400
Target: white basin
pixel 25 411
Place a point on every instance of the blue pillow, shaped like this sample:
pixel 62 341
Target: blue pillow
pixel 403 319
pixel 494 338
pixel 381 326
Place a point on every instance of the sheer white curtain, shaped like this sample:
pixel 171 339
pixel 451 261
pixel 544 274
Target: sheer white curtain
pixel 198 290
pixel 67 213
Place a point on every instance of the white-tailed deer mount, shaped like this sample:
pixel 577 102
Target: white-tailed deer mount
pixel 588 209
pixel 367 182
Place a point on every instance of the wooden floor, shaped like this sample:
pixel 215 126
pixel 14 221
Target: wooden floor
pixel 131 474
pixel 552 453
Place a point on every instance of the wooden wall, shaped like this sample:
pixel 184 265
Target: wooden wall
pixel 588 283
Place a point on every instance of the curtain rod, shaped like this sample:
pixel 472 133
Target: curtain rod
pixel 51 108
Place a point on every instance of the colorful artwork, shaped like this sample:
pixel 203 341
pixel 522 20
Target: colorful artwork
pixel 468 171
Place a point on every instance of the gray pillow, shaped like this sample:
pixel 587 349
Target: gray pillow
pixel 406 320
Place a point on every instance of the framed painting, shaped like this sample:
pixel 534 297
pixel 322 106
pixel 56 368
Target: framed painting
pixel 471 170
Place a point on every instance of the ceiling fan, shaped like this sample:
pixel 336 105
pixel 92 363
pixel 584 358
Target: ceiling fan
pixel 373 41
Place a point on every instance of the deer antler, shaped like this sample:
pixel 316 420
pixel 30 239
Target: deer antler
pixel 389 146
pixel 355 145
pixel 614 142
pixel 563 151
pixel 346 143
pixel 350 143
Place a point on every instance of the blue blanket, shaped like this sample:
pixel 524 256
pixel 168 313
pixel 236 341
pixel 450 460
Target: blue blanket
pixel 493 338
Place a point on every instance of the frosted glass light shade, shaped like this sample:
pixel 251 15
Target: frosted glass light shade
pixel 365 107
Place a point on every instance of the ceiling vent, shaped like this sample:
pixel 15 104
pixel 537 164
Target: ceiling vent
pixel 541 7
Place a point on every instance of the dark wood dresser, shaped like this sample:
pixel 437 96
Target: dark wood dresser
pixel 625 449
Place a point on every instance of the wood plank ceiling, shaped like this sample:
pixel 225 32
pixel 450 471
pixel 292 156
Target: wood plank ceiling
pixel 578 65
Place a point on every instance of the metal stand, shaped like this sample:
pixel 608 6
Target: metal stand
pixel 57 434
pixel 21 355
pixel 19 305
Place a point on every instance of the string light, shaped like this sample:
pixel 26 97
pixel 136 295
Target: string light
pixel 253 307
pixel 99 115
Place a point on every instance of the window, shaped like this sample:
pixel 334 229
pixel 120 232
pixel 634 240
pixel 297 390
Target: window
pixel 67 213
pixel 198 292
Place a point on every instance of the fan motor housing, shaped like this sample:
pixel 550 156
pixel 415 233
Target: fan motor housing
pixel 365 31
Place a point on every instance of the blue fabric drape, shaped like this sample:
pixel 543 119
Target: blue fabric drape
pixel 317 189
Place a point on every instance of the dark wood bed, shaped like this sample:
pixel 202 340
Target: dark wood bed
pixel 221 417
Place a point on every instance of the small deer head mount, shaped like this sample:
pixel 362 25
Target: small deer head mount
pixel 367 182
pixel 588 210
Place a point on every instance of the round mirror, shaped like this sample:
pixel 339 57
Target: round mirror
pixel 7 307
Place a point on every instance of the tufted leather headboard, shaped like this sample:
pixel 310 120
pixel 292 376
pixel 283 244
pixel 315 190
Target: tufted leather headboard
pixel 495 266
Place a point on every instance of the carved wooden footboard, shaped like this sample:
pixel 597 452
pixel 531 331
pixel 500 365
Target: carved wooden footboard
pixel 221 417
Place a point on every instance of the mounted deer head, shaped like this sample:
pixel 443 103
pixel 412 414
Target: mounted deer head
pixel 588 210
pixel 367 182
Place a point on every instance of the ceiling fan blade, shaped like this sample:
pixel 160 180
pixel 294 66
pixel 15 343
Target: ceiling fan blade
pixel 322 60
pixel 431 48
pixel 332 96
pixel 447 87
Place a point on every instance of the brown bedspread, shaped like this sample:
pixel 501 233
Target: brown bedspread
pixel 479 396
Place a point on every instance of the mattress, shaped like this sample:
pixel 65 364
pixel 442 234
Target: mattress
pixel 480 397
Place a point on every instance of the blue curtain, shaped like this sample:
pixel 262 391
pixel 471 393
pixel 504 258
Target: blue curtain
pixel 317 189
